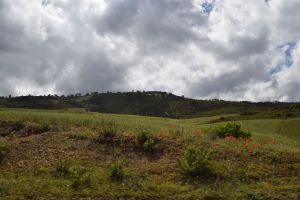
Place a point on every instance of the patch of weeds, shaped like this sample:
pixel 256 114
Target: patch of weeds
pixel 82 181
pixel 81 135
pixel 78 171
pixel 12 134
pixel 106 122
pixel 214 196
pixel 45 127
pixel 18 126
pixel 242 173
pixel 117 173
pixel 269 156
pixel 3 190
pixel 135 183
pixel 275 158
pixel 7 127
pixel 37 170
pixel 195 163
pixel 33 128
pixel 257 196
pixel 3 150
pixel 176 131
pixel 146 140
pixel 231 130
pixel 62 169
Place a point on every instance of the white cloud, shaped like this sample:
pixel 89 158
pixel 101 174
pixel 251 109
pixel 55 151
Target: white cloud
pixel 222 49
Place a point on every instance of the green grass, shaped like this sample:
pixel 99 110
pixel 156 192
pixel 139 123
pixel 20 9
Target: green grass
pixel 283 130
pixel 265 167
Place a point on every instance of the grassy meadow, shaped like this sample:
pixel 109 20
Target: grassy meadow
pixel 74 154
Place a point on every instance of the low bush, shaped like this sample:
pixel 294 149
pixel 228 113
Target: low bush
pixel 145 139
pixel 107 132
pixel 231 130
pixel 143 135
pixel 117 171
pixel 150 146
pixel 3 150
pixel 195 163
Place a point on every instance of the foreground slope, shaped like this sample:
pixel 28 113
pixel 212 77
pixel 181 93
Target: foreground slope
pixel 61 154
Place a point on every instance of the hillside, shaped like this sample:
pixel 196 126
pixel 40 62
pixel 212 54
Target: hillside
pixel 74 154
pixel 154 103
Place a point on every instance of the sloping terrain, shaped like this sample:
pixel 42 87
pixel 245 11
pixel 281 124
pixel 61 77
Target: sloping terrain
pixel 83 155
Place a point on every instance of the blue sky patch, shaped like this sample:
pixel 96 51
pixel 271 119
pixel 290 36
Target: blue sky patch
pixel 288 57
pixel 208 7
pixel 45 2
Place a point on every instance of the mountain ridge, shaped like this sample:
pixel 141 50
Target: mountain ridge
pixel 154 103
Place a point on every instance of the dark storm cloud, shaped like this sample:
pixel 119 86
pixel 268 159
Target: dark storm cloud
pixel 224 83
pixel 155 26
pixel 94 73
pixel 9 31
pixel 242 46
pixel 35 53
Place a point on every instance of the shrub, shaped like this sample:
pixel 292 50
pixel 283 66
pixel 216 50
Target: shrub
pixel 146 140
pixel 3 150
pixel 143 135
pixel 107 132
pixel 149 146
pixel 117 171
pixel 62 169
pixel 231 129
pixel 195 163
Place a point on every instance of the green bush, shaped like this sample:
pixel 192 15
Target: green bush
pixel 149 146
pixel 143 135
pixel 231 129
pixel 108 132
pixel 117 172
pixel 3 150
pixel 195 163
pixel 145 139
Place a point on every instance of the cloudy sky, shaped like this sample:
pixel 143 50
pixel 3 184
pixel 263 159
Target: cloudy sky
pixel 228 49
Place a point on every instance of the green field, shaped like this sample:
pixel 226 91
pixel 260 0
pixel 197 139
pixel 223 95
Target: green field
pixel 266 166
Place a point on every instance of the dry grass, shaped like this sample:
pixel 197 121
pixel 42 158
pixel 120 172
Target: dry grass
pixel 255 168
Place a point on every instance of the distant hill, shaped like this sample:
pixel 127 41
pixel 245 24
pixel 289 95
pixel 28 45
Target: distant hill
pixel 155 103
